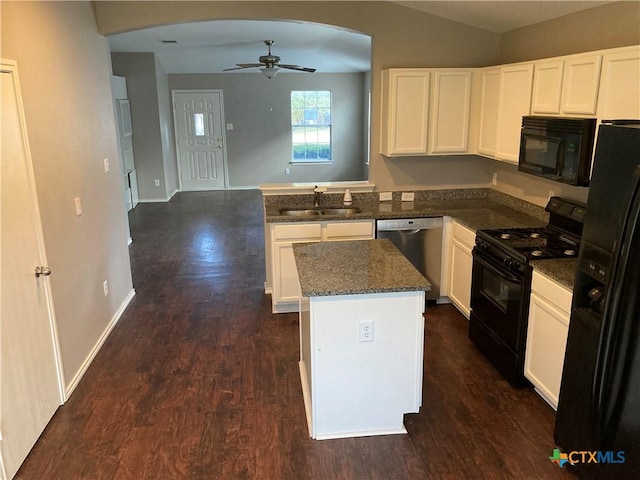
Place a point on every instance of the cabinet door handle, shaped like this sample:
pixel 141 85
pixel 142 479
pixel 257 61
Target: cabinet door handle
pixel 44 271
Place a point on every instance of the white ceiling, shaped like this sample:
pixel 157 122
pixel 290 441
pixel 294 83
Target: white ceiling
pixel 210 47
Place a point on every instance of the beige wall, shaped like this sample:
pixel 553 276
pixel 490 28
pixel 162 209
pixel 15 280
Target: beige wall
pixel 612 25
pixel 401 37
pixel 165 118
pixel 259 146
pixel 65 78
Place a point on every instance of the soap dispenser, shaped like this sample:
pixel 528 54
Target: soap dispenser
pixel 347 200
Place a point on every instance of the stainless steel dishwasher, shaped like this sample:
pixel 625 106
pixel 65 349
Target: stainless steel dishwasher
pixel 420 240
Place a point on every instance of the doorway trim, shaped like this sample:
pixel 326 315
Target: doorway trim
pixel 224 132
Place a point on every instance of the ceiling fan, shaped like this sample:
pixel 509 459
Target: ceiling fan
pixel 269 64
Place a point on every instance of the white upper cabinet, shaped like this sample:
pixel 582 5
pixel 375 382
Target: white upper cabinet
pixel 514 102
pixel 547 87
pixel 405 111
pixel 490 92
pixel 620 85
pixel 567 86
pixel 449 119
pixel 425 111
pixel 580 86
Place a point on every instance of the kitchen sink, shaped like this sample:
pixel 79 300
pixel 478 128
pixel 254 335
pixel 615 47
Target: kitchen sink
pixel 307 212
pixel 294 212
pixel 340 211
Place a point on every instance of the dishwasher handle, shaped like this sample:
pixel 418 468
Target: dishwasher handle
pixel 408 224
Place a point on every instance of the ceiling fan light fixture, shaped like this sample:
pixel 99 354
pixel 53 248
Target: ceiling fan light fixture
pixel 270 72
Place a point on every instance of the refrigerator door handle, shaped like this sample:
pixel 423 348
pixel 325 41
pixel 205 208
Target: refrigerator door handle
pixel 627 230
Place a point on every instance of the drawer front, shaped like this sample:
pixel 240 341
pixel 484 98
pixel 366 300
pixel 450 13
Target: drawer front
pixel 463 234
pixel 552 291
pixel 297 231
pixel 349 229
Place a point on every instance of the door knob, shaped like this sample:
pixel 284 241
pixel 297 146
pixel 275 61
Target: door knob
pixel 44 271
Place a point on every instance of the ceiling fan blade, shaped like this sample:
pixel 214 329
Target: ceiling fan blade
pixel 243 65
pixel 296 67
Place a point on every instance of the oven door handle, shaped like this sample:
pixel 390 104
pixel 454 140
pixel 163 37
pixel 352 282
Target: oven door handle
pixel 496 270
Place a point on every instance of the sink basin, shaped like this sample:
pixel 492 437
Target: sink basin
pixel 340 211
pixel 292 212
pixel 307 212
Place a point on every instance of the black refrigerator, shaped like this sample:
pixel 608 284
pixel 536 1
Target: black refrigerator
pixel 599 402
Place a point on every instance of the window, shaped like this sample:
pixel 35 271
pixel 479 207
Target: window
pixel 311 126
pixel 198 124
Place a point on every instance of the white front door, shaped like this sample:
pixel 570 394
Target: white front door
pixel 30 374
pixel 199 122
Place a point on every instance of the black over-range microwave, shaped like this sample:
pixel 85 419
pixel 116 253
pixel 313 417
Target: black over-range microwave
pixel 557 149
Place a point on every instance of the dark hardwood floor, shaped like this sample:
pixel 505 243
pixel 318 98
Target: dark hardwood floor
pixel 199 380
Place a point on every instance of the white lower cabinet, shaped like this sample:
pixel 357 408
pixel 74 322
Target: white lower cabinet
pixel 284 273
pixel 460 266
pixel 549 313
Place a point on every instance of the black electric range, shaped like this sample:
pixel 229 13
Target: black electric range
pixel 501 282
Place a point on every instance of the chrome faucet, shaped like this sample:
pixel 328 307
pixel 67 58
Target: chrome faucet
pixel 316 195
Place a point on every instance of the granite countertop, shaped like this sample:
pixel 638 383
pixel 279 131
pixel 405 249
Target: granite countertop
pixel 355 267
pixel 477 209
pixel 562 270
pixel 482 213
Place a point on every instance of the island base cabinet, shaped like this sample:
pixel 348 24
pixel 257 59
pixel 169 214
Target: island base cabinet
pixel 353 388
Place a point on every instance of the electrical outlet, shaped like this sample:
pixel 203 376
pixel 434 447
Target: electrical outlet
pixel 407 196
pixel 494 178
pixel 157 182
pixel 386 196
pixel 366 331
pixel 106 165
pixel 287 171
pixel 105 287
pixel 78 206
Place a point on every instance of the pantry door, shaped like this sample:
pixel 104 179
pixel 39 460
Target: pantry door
pixel 200 139
pixel 30 372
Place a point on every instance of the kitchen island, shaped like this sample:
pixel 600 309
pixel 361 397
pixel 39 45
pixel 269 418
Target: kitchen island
pixel 361 337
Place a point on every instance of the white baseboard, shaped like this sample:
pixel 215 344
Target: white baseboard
pixel 96 348
pixel 153 200
pixel 244 187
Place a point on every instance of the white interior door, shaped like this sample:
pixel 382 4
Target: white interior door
pixel 30 381
pixel 200 139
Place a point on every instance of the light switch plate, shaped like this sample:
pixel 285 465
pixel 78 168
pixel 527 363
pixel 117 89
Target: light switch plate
pixel 229 126
pixel 106 165
pixel 407 196
pixel 386 196
pixel 78 206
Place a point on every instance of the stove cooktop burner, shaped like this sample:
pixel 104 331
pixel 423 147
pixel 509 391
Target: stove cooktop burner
pixel 534 243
